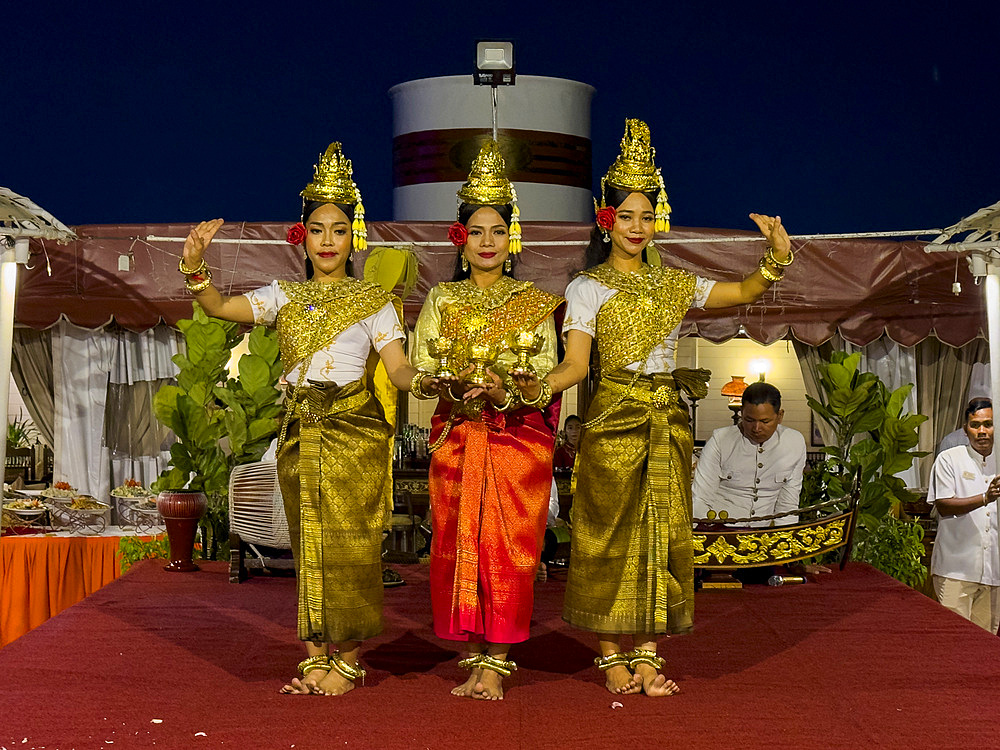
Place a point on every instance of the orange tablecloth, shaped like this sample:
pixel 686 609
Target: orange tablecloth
pixel 41 576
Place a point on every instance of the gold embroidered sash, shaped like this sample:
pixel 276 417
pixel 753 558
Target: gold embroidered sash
pixel 649 304
pixel 489 315
pixel 316 314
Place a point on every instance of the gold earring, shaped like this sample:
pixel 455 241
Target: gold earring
pixel 506 264
pixel 465 263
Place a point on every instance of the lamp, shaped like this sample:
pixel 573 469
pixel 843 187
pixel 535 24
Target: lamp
pixel 760 366
pixel 494 64
pixel 734 390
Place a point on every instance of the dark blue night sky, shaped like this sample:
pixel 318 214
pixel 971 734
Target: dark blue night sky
pixel 838 118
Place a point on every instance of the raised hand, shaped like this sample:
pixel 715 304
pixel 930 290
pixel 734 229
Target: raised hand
pixel 198 240
pixel 774 233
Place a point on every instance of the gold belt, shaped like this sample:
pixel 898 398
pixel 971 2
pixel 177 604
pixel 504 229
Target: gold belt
pixel 660 398
pixel 307 412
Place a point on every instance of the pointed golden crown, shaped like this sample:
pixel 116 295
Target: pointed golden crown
pixel 487 184
pixel 332 181
pixel 635 170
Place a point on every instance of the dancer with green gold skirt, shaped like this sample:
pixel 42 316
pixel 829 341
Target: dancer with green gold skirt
pixel 335 443
pixel 631 574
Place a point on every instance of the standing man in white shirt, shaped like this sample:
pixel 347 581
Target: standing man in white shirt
pixel 963 490
pixel 753 468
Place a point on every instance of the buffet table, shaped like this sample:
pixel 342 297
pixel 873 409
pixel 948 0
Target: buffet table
pixel 41 575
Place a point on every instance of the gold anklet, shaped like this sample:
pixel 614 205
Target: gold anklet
pixel 645 656
pixel 322 661
pixel 471 662
pixel 348 671
pixel 502 668
pixel 604 663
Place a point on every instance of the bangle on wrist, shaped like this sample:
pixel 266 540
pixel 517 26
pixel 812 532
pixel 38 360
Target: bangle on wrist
pixel 191 271
pixel 199 282
pixel 769 257
pixel 767 273
pixel 417 386
pixel 508 402
pixel 544 397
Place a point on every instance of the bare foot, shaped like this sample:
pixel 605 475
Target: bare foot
pixel 489 687
pixel 467 688
pixel 333 683
pixel 305 686
pixel 653 683
pixel 621 681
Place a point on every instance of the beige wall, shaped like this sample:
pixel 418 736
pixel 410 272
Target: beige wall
pixel 734 358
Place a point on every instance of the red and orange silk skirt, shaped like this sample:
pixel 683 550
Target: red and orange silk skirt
pixel 489 487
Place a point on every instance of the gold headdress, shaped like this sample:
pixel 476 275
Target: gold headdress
pixel 488 186
pixel 332 183
pixel 634 170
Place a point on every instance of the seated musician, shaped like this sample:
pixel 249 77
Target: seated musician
pixel 754 468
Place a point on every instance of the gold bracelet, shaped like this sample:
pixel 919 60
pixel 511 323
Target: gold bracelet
pixel 199 286
pixel 769 257
pixel 507 402
pixel 417 386
pixel 544 397
pixel 767 273
pixel 188 272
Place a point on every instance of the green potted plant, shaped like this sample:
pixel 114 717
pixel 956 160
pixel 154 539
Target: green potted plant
pixel 22 436
pixel 873 437
pixel 219 422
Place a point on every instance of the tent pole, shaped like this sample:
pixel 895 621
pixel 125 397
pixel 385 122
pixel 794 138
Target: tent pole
pixel 992 292
pixel 8 290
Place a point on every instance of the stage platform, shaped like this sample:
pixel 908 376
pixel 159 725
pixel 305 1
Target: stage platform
pixel 168 660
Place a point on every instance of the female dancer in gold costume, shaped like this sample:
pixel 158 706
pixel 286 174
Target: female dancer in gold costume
pixel 491 467
pixel 631 572
pixel 334 446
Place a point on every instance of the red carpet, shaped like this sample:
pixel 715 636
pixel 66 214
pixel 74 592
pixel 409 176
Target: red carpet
pixel 161 660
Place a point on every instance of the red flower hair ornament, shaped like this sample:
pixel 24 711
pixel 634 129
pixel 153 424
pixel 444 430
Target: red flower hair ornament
pixel 606 218
pixel 296 234
pixel 458 234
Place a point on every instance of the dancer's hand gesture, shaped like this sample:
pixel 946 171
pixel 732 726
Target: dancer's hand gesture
pixel 198 240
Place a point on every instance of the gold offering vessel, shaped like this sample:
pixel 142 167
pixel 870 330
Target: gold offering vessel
pixel 525 345
pixel 481 356
pixel 442 349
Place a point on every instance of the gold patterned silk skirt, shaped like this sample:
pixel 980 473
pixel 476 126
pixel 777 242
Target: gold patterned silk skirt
pixel 631 565
pixel 332 469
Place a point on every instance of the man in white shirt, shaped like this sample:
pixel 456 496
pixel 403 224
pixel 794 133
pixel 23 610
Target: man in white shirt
pixel 963 490
pixel 754 468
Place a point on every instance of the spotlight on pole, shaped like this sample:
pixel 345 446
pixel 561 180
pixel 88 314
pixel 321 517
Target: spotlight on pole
pixel 494 64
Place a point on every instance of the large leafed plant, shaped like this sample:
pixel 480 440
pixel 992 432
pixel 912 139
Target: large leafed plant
pixel 874 439
pixel 219 421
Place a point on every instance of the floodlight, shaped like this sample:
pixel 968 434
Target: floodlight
pixel 494 64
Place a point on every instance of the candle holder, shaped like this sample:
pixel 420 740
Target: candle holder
pixel 442 348
pixel 525 345
pixel 481 356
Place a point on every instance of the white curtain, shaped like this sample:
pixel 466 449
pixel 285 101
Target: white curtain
pixel 141 362
pixel 86 364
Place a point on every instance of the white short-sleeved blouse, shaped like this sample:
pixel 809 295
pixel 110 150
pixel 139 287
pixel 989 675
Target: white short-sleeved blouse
pixel 343 360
